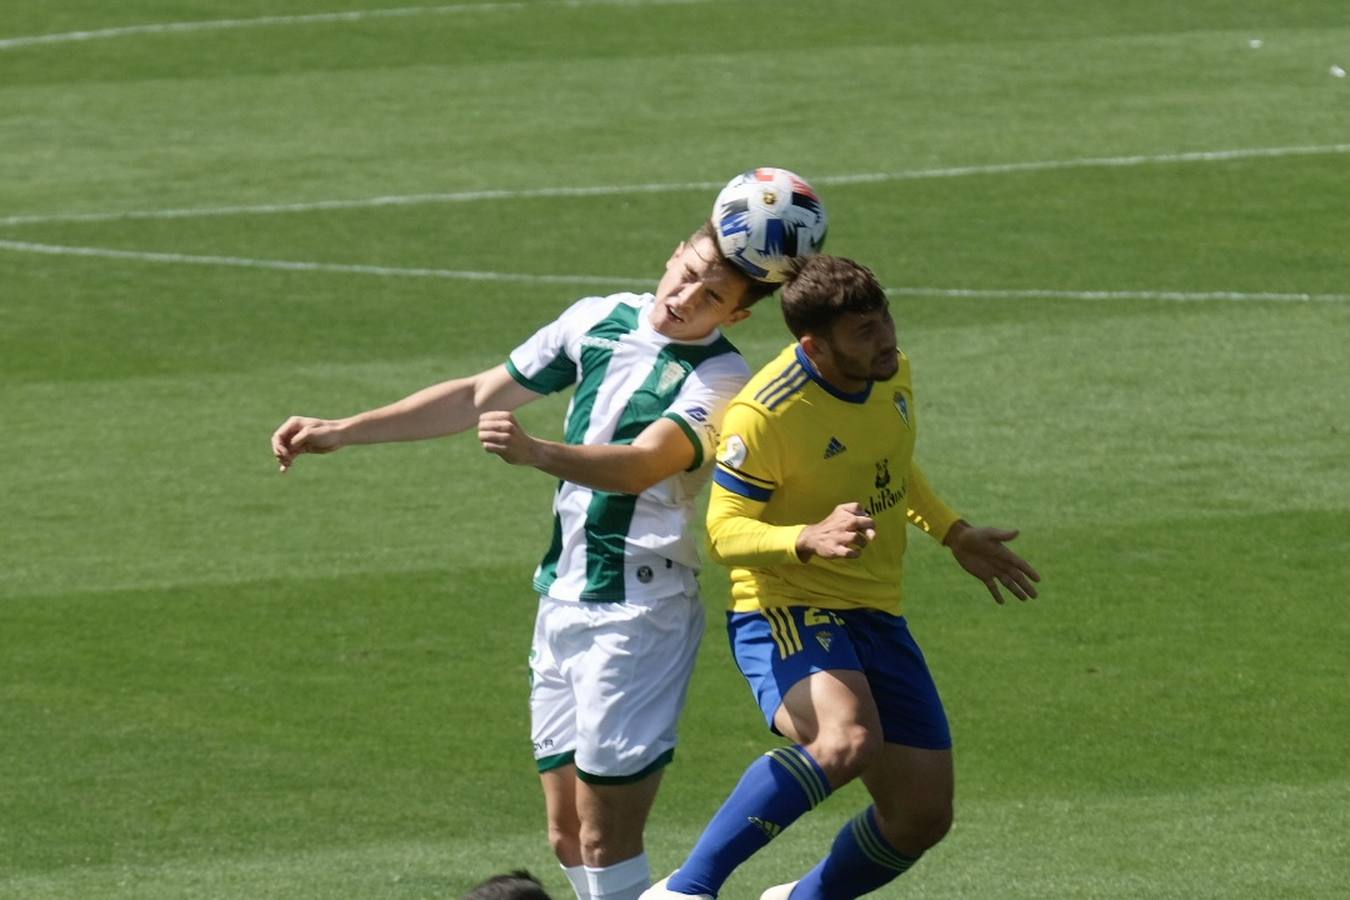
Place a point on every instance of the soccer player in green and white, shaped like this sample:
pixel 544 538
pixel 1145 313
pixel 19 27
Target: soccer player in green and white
pixel 619 618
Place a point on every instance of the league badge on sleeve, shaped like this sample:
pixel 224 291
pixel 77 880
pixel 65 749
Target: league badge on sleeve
pixel 902 406
pixel 733 452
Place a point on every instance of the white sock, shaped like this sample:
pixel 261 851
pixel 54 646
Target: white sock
pixel 621 881
pixel 577 876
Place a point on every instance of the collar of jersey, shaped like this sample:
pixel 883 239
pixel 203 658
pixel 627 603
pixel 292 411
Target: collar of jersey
pixel 810 367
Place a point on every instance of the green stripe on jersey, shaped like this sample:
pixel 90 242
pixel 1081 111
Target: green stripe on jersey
pixel 552 378
pixel 607 521
pixel 548 568
pixel 672 367
pixel 595 357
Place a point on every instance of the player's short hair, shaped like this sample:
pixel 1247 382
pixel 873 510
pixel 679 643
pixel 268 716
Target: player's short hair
pixel 755 291
pixel 822 288
pixel 517 885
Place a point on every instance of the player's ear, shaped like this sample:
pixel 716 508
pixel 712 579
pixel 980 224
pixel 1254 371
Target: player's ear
pixel 740 315
pixel 812 346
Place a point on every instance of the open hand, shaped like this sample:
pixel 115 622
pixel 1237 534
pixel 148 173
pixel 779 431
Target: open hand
pixel 983 552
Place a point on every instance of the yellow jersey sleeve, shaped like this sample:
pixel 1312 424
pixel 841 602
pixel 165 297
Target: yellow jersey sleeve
pixel 749 469
pixel 738 537
pixel 925 508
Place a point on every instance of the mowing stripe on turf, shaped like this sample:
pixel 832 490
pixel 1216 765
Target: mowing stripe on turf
pixel 676 186
pixel 285 265
pixel 312 18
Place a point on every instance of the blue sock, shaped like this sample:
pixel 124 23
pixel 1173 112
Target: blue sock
pixel 774 791
pixel 860 861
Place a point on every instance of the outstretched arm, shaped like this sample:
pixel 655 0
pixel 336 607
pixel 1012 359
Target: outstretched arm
pixel 661 450
pixel 983 552
pixel 442 409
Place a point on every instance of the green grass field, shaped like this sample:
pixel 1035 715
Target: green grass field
pixel 1118 241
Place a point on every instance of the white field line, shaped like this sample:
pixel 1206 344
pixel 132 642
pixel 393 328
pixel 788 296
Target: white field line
pixel 672 187
pixel 313 18
pixel 1178 296
pixel 363 203
pixel 296 266
pixel 472 275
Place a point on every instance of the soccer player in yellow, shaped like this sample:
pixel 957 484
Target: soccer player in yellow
pixel 814 486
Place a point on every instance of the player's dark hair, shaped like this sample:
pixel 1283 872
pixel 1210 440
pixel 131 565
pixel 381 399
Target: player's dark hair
pixel 821 288
pixel 755 291
pixel 517 885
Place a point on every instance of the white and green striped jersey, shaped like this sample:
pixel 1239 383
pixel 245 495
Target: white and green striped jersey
pixel 608 546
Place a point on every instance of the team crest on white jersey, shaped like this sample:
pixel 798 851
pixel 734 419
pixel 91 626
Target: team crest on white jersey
pixel 733 452
pixel 670 376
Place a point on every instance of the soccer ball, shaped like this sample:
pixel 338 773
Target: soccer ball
pixel 767 217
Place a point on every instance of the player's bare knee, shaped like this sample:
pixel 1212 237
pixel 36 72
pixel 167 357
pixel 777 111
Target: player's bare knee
pixel 600 848
pixel 934 825
pixel 566 843
pixel 911 830
pixel 592 844
pixel 845 751
pixel 927 827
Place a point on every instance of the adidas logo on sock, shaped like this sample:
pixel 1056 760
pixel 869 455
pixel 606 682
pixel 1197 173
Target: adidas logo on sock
pixel 768 828
pixel 834 448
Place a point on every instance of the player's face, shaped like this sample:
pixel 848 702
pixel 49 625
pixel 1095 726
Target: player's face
pixel 698 293
pixel 862 346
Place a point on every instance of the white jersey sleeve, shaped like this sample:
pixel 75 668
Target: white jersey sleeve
pixel 702 400
pixel 548 361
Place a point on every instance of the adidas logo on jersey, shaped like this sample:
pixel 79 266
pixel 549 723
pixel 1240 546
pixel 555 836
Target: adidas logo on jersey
pixel 834 448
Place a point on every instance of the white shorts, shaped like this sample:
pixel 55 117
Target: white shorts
pixel 608 682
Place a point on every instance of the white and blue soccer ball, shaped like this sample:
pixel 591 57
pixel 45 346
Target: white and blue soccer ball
pixel 765 219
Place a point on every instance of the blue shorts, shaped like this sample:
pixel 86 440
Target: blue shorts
pixel 776 648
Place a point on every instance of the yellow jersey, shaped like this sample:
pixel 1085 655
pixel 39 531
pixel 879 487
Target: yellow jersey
pixel 793 447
